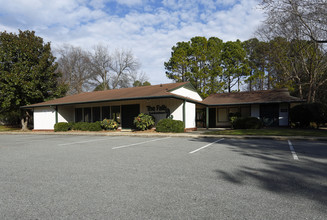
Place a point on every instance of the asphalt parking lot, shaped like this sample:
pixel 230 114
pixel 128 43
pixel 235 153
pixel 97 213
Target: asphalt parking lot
pixel 101 177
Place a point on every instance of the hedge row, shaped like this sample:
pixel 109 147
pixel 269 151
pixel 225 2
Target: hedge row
pixel 302 115
pixel 246 123
pixel 78 126
pixel 164 125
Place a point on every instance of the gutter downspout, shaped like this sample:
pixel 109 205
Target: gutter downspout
pixel 184 112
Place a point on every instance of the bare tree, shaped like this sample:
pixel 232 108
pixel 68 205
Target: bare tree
pixel 100 67
pixel 100 70
pixel 74 66
pixel 296 19
pixel 296 31
pixel 124 66
pixel 111 71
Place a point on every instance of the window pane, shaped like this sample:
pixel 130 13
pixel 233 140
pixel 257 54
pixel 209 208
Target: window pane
pixel 222 115
pixel 106 112
pixel 78 114
pixel 245 111
pixel 96 114
pixel 233 110
pixel 116 113
pixel 87 114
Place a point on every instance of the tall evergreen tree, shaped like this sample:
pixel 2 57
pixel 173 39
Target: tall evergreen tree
pixel 234 64
pixel 258 61
pixel 209 64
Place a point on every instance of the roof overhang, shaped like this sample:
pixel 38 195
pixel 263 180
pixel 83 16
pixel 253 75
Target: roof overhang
pixel 113 100
pixel 253 103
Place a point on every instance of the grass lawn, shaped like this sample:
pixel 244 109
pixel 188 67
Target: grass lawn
pixel 274 132
pixel 7 128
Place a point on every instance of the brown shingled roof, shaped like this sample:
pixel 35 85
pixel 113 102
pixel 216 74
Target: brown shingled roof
pixel 254 97
pixel 155 91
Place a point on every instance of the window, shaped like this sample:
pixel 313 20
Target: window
pixel 246 111
pixel 233 110
pixel 87 114
pixel 96 114
pixel 222 115
pixel 115 111
pixel 78 114
pixel 106 112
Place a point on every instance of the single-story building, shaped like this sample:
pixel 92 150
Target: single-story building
pixel 177 100
pixel 271 106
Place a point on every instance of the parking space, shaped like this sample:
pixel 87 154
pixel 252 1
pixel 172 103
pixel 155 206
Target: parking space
pixel 101 177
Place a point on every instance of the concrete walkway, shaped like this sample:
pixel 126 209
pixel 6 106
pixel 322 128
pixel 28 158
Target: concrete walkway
pixel 194 134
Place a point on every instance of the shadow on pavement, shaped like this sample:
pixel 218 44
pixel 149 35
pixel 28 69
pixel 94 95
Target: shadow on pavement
pixel 279 173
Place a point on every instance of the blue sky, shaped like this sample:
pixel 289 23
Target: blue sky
pixel 147 27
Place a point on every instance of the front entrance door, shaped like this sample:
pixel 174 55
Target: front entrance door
pixel 212 117
pixel 128 113
pixel 269 114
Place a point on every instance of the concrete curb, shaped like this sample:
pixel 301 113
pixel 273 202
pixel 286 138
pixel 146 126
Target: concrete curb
pixel 185 135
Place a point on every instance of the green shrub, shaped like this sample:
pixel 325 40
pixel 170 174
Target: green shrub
pixel 79 126
pixel 86 126
pixel 109 124
pixel 304 114
pixel 169 125
pixel 62 126
pixel 95 126
pixel 143 122
pixel 234 117
pixel 246 123
pixel 71 125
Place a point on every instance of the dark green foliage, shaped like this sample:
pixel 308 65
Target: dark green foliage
pixel 144 122
pixel 209 64
pixel 10 118
pixel 62 126
pixel 138 83
pixel 246 123
pixel 109 124
pixel 234 64
pixel 302 115
pixel 28 71
pixel 233 117
pixel 257 55
pixel 95 126
pixel 86 126
pixel 170 125
pixel 78 126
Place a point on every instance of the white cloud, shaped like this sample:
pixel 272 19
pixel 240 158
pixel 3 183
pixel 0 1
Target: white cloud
pixel 150 30
pixel 98 4
pixel 129 2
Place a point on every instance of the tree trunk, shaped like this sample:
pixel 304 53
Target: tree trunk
pixel 24 121
pixel 24 124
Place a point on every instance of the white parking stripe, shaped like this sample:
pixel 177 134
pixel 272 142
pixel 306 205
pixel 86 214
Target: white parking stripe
pixel 295 157
pixel 129 145
pixel 82 142
pixel 205 146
